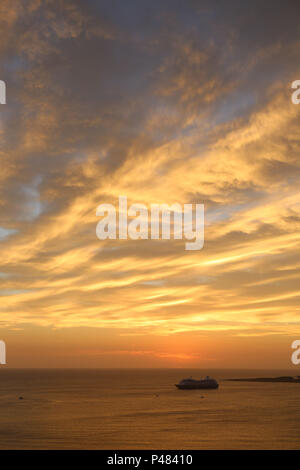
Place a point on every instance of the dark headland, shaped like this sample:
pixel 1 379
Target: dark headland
pixel 268 379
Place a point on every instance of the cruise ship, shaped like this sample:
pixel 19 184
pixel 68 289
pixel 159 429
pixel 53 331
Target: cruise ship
pixel 192 384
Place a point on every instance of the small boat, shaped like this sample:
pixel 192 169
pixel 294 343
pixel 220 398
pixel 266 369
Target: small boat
pixel 192 384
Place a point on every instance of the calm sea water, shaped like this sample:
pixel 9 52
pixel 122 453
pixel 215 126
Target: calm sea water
pixel 141 409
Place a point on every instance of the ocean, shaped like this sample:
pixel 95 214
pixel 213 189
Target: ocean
pixel 142 409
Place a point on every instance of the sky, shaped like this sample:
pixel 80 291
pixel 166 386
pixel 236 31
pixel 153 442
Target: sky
pixel 163 101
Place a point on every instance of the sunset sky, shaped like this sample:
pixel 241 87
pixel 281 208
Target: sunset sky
pixel 163 101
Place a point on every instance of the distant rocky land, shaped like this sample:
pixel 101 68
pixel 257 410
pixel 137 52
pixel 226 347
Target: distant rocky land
pixel 268 379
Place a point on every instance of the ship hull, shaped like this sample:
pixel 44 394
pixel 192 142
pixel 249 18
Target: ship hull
pixel 197 386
